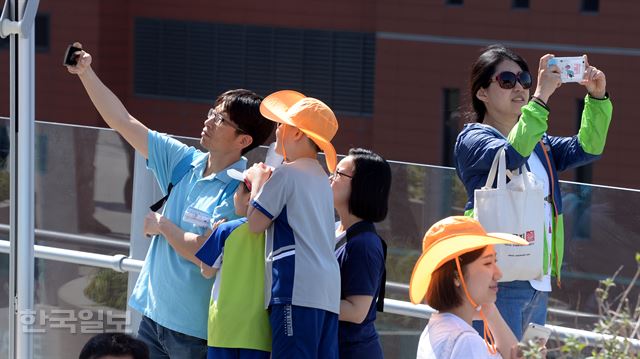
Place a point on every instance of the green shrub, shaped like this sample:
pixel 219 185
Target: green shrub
pixel 109 288
pixel 4 185
pixel 618 316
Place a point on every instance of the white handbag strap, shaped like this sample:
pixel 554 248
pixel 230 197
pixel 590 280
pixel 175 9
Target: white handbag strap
pixel 526 179
pixel 500 165
pixel 492 172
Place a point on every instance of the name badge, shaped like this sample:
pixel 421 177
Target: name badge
pixel 197 217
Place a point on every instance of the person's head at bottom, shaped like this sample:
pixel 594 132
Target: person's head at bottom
pixel 114 346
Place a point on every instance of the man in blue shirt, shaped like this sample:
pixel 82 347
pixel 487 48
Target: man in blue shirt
pixel 170 292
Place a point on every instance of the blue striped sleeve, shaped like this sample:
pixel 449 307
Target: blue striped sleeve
pixel 261 209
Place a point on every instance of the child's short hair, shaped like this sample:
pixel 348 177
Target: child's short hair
pixel 114 344
pixel 370 185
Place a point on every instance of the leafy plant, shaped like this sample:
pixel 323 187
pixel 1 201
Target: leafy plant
pixel 619 317
pixel 109 288
pixel 4 184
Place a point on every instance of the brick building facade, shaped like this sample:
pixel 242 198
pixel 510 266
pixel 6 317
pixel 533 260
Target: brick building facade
pixel 396 72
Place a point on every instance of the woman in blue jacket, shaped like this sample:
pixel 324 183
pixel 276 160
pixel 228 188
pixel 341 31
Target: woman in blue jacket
pixel 507 117
pixel 360 185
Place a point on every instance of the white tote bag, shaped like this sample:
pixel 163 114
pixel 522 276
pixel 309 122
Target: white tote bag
pixel 516 208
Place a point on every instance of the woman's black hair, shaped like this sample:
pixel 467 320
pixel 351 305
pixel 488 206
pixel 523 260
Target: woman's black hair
pixel 482 72
pixel 370 185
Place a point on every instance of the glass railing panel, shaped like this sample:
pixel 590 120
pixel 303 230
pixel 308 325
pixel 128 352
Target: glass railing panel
pixel 83 178
pixel 82 187
pixel 74 303
pixel 602 233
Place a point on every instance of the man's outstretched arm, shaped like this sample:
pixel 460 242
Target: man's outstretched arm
pixel 109 106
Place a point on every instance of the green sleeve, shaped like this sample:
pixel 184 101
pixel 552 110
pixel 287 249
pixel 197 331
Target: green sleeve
pixel 529 129
pixel 594 125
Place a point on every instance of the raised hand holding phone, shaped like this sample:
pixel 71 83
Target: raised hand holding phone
pixel 76 60
pixel 577 69
pixel 70 56
pixel 594 80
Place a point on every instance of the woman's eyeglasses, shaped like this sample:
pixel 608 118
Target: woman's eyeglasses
pixel 507 79
pixel 219 120
pixel 337 174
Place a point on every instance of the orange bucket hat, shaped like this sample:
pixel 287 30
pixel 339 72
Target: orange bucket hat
pixel 448 239
pixel 309 115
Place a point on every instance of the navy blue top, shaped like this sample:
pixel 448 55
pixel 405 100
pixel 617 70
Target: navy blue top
pixel 361 270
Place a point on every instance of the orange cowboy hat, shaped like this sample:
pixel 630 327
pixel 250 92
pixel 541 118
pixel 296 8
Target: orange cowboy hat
pixel 311 116
pixel 447 239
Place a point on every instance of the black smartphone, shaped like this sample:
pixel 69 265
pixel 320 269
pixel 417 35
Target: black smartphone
pixel 70 57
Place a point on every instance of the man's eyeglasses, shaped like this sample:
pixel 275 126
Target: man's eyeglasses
pixel 219 120
pixel 337 174
pixel 507 79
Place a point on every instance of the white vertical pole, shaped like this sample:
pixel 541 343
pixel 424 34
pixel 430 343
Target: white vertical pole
pixel 13 250
pixel 22 183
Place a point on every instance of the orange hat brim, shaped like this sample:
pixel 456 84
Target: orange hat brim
pixel 275 106
pixel 444 250
pixel 330 155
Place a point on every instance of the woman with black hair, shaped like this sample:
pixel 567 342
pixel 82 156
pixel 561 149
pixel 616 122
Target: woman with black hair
pixel 360 185
pixel 507 118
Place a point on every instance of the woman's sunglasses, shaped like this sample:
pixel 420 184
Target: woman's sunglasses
pixel 507 79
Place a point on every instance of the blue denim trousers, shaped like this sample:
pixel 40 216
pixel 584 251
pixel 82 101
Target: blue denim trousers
pixel 164 343
pixel 519 304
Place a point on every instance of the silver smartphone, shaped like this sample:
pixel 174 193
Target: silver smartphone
pixel 537 333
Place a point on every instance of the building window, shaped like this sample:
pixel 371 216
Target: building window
pixel 455 2
pixel 520 4
pixel 451 123
pixel 584 173
pixel 41 32
pixel 590 5
pixel 197 61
